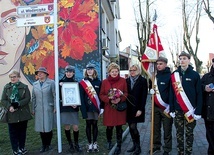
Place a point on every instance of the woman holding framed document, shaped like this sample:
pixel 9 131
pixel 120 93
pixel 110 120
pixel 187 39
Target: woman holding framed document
pixel 69 101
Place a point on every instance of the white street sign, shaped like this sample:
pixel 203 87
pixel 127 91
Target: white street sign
pixel 35 9
pixel 33 21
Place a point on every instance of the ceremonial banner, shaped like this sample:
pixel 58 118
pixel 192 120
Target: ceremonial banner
pixel 153 50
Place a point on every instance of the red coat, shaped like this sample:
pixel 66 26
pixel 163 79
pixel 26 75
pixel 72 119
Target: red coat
pixel 112 117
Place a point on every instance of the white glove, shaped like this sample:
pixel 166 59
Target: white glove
pixel 196 117
pixel 101 111
pixel 152 91
pixel 172 114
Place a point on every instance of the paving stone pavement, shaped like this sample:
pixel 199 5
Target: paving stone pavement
pixel 200 144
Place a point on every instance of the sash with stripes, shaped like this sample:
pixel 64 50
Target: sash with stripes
pixel 159 102
pixel 90 91
pixel 182 98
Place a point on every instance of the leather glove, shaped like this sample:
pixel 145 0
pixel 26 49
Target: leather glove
pixel 15 105
pixel 172 114
pixel 196 117
pixel 101 111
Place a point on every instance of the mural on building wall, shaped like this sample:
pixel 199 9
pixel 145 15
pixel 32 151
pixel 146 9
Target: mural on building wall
pixel 28 48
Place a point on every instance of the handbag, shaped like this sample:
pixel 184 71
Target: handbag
pixel 3 114
pixel 121 106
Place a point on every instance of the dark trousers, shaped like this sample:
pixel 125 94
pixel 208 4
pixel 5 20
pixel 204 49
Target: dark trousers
pixel 183 128
pixel 210 136
pixel 17 133
pixel 159 119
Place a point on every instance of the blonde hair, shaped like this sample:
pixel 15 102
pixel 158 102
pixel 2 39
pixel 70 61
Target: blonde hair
pixel 113 65
pixel 13 71
pixel 137 68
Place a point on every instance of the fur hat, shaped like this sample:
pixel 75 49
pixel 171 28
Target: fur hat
pixel 184 54
pixel 42 69
pixel 163 59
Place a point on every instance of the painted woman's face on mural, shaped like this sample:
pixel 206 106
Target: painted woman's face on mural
pixel 12 38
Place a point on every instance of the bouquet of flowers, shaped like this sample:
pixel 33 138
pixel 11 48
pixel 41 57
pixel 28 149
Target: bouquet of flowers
pixel 114 93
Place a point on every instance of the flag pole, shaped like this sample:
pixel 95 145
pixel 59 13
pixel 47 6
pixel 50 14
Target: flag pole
pixel 57 76
pixel 153 79
pixel 152 114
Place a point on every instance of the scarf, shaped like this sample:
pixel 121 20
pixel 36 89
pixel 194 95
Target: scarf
pixel 14 97
pixel 113 80
pixel 133 80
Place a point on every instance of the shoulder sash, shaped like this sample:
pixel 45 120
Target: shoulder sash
pixel 89 89
pixel 181 97
pixel 159 102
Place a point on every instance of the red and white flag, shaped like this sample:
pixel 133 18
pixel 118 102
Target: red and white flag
pixel 153 50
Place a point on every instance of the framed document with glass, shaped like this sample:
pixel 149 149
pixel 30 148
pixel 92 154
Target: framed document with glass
pixel 70 94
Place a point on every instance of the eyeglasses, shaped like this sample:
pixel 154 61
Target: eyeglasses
pixel 132 70
pixel 12 77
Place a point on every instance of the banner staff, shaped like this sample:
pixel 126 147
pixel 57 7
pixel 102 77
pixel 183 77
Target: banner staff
pixel 56 65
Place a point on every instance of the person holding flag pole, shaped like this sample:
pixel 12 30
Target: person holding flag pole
pixel 153 51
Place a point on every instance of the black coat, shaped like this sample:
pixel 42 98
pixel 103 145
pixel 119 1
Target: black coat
pixel 86 104
pixel 208 97
pixel 137 96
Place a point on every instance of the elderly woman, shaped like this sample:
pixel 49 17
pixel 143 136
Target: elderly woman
pixel 16 98
pixel 137 95
pixel 43 107
pixel 111 116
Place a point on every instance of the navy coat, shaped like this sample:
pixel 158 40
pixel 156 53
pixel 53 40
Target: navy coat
pixel 191 83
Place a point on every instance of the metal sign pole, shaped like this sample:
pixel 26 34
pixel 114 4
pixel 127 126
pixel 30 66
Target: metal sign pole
pixel 57 77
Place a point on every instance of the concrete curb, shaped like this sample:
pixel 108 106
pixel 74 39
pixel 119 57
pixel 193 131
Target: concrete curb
pixel 115 145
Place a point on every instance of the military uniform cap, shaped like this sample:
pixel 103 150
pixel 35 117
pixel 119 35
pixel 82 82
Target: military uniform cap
pixel 163 59
pixel 184 54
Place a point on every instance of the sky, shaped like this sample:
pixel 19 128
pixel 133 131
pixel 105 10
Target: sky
pixel 168 23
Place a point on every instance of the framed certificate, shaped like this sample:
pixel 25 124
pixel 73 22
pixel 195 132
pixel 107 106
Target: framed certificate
pixel 70 94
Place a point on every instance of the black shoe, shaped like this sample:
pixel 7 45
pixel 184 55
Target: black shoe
pixel 109 146
pixel 166 153
pixel 132 148
pixel 155 150
pixel 23 151
pixel 77 147
pixel 48 148
pixel 42 149
pixel 71 149
pixel 117 150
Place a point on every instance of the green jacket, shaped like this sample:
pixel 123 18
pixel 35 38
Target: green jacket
pixel 23 112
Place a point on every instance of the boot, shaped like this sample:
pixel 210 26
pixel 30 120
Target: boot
pixel 117 150
pixel 76 139
pixel 137 144
pixel 133 147
pixel 109 133
pixel 119 133
pixel 68 137
pixel 137 150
